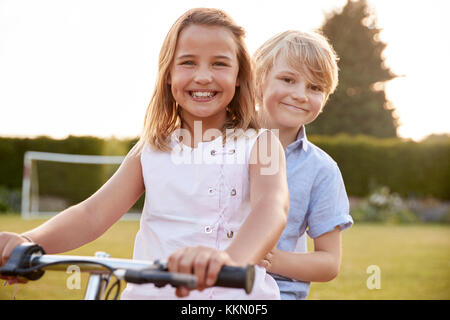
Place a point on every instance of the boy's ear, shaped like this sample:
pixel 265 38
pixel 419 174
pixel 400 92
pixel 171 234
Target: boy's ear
pixel 323 104
pixel 321 108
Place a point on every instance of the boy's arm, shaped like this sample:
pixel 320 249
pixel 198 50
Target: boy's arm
pixel 269 198
pixel 319 266
pixel 328 215
pixel 89 219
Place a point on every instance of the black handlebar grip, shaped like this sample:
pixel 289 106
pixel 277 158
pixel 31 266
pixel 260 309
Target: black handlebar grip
pixel 237 277
pixel 161 278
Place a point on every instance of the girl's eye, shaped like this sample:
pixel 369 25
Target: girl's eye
pixel 220 64
pixel 187 63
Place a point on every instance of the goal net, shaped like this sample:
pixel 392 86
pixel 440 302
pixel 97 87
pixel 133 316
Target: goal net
pixel 53 182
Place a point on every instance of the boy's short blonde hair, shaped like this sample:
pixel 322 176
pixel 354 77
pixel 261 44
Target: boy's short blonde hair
pixel 306 52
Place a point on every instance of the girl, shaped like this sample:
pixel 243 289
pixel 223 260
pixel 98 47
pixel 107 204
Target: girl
pixel 208 201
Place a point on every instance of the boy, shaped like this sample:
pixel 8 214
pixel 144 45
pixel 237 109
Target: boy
pixel 295 74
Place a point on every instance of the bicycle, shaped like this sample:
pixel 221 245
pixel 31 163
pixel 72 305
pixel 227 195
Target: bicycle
pixel 29 262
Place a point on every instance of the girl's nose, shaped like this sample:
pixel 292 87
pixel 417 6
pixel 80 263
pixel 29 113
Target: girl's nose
pixel 203 76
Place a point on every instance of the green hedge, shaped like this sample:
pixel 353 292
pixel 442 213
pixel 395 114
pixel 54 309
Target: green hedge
pixel 406 167
pixel 71 182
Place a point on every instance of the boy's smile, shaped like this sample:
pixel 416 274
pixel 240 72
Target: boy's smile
pixel 294 107
pixel 289 99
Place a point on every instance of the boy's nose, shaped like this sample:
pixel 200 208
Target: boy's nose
pixel 299 94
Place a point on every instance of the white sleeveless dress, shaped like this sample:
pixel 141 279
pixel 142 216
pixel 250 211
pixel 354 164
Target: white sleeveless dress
pixel 196 197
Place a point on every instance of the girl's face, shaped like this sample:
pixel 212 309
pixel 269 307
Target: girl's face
pixel 203 74
pixel 290 101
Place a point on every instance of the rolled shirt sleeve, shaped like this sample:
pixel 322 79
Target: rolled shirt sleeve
pixel 329 206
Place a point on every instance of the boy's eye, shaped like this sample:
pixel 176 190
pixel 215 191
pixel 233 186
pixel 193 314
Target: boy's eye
pixel 287 80
pixel 316 88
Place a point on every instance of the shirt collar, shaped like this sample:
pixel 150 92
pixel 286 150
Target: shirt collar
pixel 300 141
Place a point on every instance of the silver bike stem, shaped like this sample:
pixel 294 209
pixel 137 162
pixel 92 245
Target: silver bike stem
pixel 97 282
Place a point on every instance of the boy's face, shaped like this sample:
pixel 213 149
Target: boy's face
pixel 289 99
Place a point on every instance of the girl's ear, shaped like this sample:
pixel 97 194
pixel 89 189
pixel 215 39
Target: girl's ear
pixel 258 92
pixel 238 83
pixel 168 79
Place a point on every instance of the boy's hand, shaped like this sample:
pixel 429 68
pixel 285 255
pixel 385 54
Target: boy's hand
pixel 267 261
pixel 8 241
pixel 205 263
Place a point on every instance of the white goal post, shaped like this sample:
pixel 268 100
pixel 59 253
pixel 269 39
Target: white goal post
pixel 30 185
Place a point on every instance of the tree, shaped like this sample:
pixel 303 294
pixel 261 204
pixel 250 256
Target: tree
pixel 359 105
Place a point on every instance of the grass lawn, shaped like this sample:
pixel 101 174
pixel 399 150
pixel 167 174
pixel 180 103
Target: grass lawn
pixel 414 262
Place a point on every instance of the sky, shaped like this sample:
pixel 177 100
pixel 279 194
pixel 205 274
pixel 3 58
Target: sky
pixel 87 67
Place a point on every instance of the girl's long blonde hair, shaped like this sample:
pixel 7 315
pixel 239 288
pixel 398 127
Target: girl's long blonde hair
pixel 163 117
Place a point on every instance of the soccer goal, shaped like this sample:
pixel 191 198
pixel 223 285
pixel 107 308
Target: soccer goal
pixel 54 181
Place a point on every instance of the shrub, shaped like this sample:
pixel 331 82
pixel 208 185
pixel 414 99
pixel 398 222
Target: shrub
pixel 9 200
pixel 383 206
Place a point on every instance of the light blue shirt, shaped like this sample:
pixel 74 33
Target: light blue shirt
pixel 318 204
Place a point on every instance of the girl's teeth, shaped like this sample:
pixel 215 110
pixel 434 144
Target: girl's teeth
pixel 202 94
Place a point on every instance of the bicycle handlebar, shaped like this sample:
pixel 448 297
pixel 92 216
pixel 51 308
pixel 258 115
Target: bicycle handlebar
pixel 230 277
pixel 29 261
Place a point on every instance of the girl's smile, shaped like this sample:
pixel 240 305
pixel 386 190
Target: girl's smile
pixel 203 75
pixel 202 95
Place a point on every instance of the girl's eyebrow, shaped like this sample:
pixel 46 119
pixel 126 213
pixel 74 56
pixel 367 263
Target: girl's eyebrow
pixel 185 56
pixel 223 57
pixel 191 56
